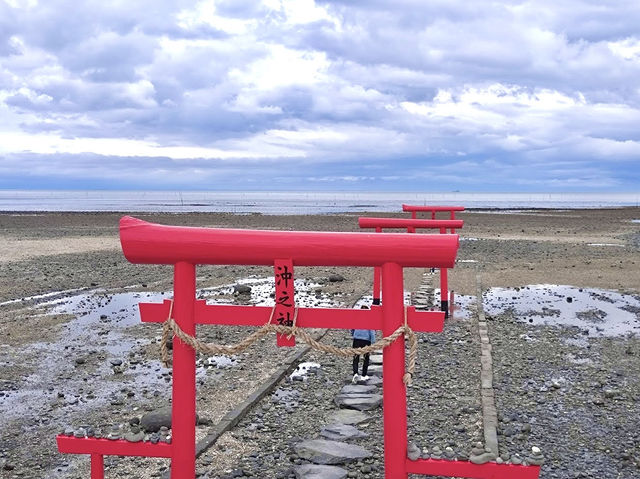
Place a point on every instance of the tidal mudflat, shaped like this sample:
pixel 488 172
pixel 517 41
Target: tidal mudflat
pixel 73 353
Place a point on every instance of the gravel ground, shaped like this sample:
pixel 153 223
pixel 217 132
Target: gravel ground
pixel 582 427
pixel 576 398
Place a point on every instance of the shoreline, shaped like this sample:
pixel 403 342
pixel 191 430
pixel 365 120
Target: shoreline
pixel 492 209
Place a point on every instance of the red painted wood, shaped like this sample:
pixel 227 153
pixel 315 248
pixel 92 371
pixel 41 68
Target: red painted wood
pixel 106 447
pixel 144 242
pixel 490 470
pixel 369 222
pixel 431 208
pixel 285 307
pixel 328 318
pixel 394 392
pixel 411 225
pixel 97 466
pixel 183 406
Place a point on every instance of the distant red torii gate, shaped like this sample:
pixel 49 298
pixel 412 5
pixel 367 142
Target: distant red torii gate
pixel 411 225
pixel 433 209
pixel 184 247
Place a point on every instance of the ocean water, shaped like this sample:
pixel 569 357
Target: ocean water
pixel 312 202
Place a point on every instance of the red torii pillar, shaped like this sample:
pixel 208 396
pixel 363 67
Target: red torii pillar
pixel 411 225
pixel 183 247
pixel 414 209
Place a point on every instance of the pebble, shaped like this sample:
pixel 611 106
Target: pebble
pixel 135 435
pixel 413 451
pixel 535 458
pixel 482 458
pixel 449 453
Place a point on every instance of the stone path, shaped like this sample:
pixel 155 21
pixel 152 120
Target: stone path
pixel 352 399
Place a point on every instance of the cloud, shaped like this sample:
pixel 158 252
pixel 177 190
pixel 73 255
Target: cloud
pixel 344 94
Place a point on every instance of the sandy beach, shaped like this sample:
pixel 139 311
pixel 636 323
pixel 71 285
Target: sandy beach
pixel 59 269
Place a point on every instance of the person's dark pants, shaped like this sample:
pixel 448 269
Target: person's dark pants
pixel 360 343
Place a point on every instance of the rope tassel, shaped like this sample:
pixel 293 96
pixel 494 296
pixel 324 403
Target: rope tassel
pixel 170 326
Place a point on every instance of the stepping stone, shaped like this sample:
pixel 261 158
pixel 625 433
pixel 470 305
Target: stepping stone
pixel 339 432
pixel 313 471
pixel 375 359
pixel 372 381
pixel 361 402
pixel 375 370
pixel 322 451
pixel 358 389
pixel 347 416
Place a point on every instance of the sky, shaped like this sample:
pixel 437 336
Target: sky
pixel 397 95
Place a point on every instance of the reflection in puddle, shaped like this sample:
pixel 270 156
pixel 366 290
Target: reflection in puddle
pixel 596 312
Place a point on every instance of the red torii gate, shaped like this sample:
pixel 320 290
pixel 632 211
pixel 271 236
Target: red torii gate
pixel 411 225
pixel 185 247
pixel 414 209
pixel 433 209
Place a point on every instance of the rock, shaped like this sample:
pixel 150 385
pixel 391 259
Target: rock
pixel 134 436
pixel 436 452
pixel 611 393
pixel 336 278
pixel 482 458
pixel 361 402
pixel 478 449
pixel 535 458
pixel 322 451
pixel 375 359
pixel 348 416
pixel 341 432
pixel 373 380
pixel 116 362
pixel 413 451
pixel 241 289
pixel 449 453
pixel 154 420
pixel 374 370
pixel 287 397
pixel 313 471
pixel 358 389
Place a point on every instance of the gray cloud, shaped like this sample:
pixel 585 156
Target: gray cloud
pixel 366 92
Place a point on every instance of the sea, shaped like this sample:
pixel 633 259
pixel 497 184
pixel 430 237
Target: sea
pixel 294 202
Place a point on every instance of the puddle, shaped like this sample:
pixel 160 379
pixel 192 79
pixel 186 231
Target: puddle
pixel 596 312
pixel 635 221
pixel 606 244
pixel 302 370
pixel 98 358
pixel 308 293
pixel 463 306
pixel 469 239
pixel 466 261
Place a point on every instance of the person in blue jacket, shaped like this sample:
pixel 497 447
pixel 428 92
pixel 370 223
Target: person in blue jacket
pixel 362 338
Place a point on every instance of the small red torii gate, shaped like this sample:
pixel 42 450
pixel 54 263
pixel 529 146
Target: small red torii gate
pixel 184 247
pixel 433 209
pixel 411 225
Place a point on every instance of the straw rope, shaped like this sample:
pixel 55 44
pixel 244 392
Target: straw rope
pixel 170 326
